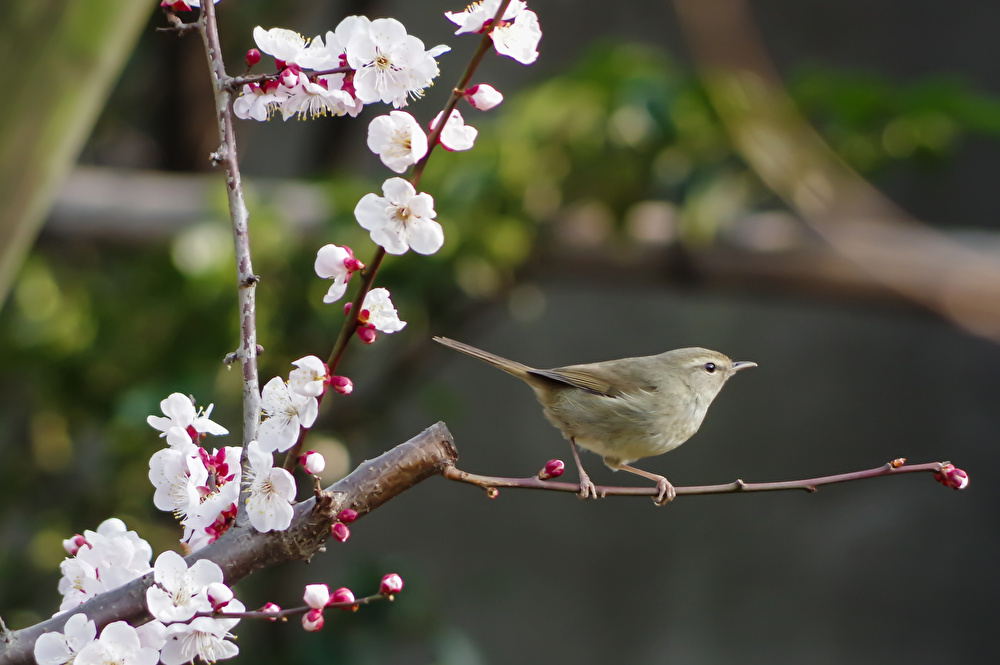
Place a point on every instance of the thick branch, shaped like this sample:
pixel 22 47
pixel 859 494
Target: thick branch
pixel 242 550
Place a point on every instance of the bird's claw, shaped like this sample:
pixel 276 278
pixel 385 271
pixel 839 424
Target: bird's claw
pixel 666 492
pixel 587 488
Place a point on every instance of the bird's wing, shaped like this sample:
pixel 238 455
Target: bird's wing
pixel 595 379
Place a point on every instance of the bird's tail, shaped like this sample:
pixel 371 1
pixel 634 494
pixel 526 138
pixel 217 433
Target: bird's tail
pixel 519 370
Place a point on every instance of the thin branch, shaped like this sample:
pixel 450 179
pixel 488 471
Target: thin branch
pixel 246 280
pixel 492 483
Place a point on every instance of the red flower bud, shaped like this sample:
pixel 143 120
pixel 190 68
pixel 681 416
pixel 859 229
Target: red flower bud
pixel 340 532
pixel 391 584
pixel 553 469
pixel 253 57
pixel 952 477
pixel 367 334
pixel 347 515
pixel 344 595
pixel 312 620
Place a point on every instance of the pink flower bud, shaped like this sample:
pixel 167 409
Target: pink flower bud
pixel 351 263
pixel 342 385
pixel 347 307
pixel 343 595
pixel 391 583
pixel 312 462
pixel 553 469
pixel 367 334
pixel 340 532
pixel 952 477
pixel 253 57
pixel 347 515
pixel 317 596
pixel 270 608
pixel 289 77
pixel 312 620
pixel 483 96
pixel 73 545
pixel 219 595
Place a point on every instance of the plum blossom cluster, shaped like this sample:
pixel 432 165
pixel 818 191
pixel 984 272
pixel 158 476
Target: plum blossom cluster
pixel 101 560
pixel 202 487
pixel 516 35
pixel 361 62
pixel 180 602
pixel 318 597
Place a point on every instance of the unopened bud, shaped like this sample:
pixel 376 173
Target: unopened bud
pixel 271 608
pixel 898 462
pixel 313 462
pixel 219 595
pixel 952 477
pixel 73 545
pixel 391 584
pixel 492 492
pixel 553 469
pixel 342 385
pixel 316 596
pixel 347 515
pixel 367 334
pixel 312 620
pixel 344 595
pixel 483 96
pixel 340 532
pixel 289 77
pixel 253 57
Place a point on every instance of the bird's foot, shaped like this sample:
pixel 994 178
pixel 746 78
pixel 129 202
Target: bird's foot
pixel 666 494
pixel 587 488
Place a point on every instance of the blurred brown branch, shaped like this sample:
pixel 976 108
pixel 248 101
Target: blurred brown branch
pixel 959 282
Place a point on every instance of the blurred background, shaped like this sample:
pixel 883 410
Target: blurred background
pixel 806 185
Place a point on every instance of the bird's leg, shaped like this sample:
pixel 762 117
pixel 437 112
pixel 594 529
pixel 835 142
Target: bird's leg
pixel 667 491
pixel 587 488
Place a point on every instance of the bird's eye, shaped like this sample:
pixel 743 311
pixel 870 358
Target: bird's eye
pixel 710 367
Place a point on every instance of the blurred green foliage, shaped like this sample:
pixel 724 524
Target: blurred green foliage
pixel 97 332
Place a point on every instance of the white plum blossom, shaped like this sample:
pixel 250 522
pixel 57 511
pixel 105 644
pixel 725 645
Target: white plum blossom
pixel 205 522
pixel 309 377
pixel 517 34
pixel 476 16
pixel 483 96
pixel 109 558
pixel 204 638
pixel 152 634
pixel 390 65
pixel 184 424
pixel 59 648
pixel 456 136
pixel 400 220
pixel 258 100
pixel 283 44
pixel 177 476
pixel 271 491
pixel 286 412
pixel 377 311
pixel 519 39
pixel 180 591
pixel 323 96
pixel 397 139
pixel 336 263
pixel 118 645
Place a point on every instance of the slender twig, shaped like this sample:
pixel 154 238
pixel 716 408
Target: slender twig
pixel 491 483
pixel 281 615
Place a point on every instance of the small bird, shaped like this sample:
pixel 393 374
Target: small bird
pixel 624 409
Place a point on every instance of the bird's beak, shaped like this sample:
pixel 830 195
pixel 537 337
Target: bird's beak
pixel 743 364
